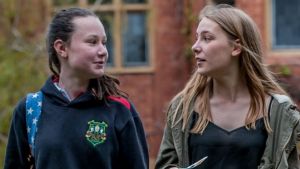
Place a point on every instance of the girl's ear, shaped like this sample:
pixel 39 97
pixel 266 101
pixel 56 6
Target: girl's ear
pixel 237 48
pixel 60 48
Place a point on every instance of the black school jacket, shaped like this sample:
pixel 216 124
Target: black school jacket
pixel 82 134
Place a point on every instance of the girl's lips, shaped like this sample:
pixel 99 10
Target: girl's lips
pixel 100 64
pixel 200 60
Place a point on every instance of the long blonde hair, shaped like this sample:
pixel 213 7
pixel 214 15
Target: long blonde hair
pixel 259 80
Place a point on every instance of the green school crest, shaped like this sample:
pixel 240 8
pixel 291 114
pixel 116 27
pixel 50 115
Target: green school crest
pixel 96 133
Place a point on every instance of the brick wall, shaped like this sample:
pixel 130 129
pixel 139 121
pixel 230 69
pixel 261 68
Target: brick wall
pixel 151 92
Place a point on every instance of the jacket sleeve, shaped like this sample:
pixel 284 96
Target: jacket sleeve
pixel 281 146
pixel 133 145
pixel 17 150
pixel 167 155
pixel 293 159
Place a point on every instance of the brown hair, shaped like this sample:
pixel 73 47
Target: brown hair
pixel 62 27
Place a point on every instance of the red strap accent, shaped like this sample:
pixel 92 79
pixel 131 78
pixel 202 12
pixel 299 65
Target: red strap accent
pixel 55 78
pixel 121 100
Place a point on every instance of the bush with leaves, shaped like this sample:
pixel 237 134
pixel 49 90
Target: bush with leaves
pixel 23 61
pixel 21 72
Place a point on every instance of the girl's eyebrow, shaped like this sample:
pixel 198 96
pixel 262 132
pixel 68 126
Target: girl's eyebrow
pixel 92 36
pixel 96 36
pixel 205 32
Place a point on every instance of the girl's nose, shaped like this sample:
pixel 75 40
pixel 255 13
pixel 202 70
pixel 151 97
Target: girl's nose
pixel 196 47
pixel 102 51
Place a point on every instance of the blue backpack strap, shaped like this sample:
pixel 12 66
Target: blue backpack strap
pixel 33 112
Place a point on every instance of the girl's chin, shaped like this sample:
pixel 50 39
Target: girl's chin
pixel 97 74
pixel 201 71
pixel 204 73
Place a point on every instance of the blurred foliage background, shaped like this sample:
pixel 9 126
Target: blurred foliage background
pixel 23 61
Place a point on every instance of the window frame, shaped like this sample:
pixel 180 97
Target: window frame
pixel 117 8
pixel 270 32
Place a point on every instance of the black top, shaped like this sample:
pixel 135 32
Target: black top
pixel 67 136
pixel 237 149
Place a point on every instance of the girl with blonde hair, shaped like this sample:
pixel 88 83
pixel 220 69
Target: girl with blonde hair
pixel 232 110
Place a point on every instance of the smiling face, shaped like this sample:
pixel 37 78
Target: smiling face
pixel 213 49
pixel 86 54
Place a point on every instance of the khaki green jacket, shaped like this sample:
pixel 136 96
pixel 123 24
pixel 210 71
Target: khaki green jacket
pixel 280 151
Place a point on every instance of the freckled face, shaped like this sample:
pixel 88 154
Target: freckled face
pixel 87 52
pixel 212 49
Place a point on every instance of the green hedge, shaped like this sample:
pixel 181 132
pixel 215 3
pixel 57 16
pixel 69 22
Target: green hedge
pixel 22 71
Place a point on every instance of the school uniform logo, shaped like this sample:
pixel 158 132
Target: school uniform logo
pixel 96 133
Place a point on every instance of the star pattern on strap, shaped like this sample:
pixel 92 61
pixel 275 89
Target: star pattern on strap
pixel 33 111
